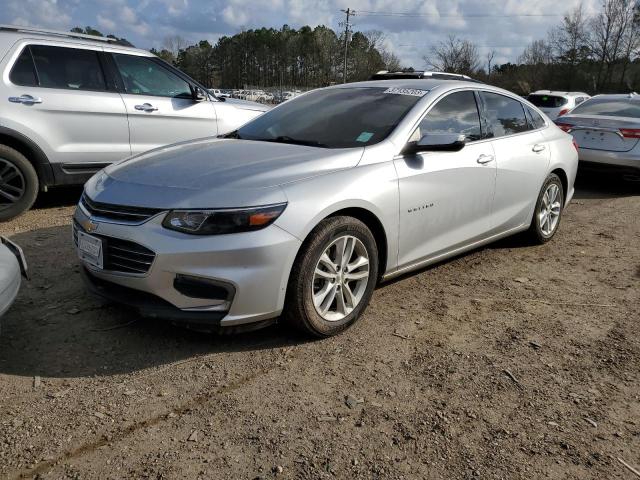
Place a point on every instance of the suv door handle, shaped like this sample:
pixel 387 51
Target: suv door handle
pixel 482 159
pixel 26 99
pixel 538 147
pixel 146 107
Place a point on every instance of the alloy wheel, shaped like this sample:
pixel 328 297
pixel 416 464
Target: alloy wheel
pixel 340 278
pixel 550 207
pixel 12 184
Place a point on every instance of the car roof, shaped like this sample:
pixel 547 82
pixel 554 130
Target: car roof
pixel 559 93
pixel 9 34
pixel 417 84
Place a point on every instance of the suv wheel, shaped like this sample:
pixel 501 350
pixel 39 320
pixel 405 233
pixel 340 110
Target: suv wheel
pixel 333 277
pixel 18 183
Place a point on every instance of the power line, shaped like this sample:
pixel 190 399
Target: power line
pixel 369 13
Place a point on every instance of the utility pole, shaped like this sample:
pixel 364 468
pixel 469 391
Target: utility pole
pixel 347 31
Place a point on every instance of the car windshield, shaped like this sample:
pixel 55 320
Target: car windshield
pixel 547 101
pixel 612 107
pixel 334 118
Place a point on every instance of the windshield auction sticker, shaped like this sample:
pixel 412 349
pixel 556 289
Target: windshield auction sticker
pixel 406 91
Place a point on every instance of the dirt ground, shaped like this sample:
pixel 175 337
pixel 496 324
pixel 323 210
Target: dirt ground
pixel 510 362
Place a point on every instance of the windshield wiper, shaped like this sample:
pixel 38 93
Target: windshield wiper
pixel 293 141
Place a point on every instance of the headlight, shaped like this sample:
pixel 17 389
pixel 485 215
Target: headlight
pixel 218 222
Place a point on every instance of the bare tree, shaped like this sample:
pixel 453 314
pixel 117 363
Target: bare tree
pixel 569 40
pixel 455 56
pixel 490 56
pixel 173 44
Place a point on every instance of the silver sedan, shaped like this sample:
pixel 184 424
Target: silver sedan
pixel 300 213
pixel 12 267
pixel 607 131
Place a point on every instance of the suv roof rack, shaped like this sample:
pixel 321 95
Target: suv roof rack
pixel 20 28
pixel 386 75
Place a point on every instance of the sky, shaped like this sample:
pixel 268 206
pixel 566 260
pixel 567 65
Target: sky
pixel 504 26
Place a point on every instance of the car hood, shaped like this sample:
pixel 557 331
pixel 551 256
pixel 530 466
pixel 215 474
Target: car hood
pixel 215 173
pixel 247 105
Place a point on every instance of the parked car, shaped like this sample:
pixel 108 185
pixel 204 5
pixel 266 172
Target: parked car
pixel 216 92
pixel 302 211
pixel 12 267
pixel 556 104
pixel 75 103
pixel 607 131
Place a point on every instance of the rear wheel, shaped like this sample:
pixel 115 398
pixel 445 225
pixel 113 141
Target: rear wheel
pixel 18 183
pixel 333 277
pixel 548 212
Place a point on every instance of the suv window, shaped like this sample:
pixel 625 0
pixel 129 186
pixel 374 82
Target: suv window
pixel 535 119
pixel 455 113
pixel 505 115
pixel 144 76
pixel 69 68
pixel 23 73
pixel 579 100
pixel 547 101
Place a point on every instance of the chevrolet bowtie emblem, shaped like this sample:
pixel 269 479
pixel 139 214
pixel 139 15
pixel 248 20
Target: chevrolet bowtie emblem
pixel 89 226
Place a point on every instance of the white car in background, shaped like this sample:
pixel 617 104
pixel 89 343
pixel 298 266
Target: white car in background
pixel 554 104
pixel 216 92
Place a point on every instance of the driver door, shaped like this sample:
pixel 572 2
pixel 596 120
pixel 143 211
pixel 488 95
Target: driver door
pixel 160 104
pixel 446 197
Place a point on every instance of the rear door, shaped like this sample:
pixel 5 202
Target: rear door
pixel 61 93
pixel 160 104
pixel 522 157
pixel 446 197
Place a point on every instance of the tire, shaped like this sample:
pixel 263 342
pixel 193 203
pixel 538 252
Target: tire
pixel 349 284
pixel 21 175
pixel 544 227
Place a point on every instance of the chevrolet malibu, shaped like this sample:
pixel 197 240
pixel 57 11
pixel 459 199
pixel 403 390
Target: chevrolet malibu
pixel 301 212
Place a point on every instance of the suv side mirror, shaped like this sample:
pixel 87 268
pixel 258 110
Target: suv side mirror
pixel 199 95
pixel 437 142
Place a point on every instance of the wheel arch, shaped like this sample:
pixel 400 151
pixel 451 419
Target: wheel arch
pixel 31 151
pixel 565 182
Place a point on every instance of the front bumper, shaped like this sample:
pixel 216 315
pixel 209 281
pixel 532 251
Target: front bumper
pixel 628 160
pixel 248 272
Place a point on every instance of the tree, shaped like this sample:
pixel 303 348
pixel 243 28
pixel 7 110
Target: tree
pixel 454 56
pixel 97 33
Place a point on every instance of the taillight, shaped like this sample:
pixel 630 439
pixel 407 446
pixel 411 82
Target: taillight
pixel 575 144
pixel 565 127
pixel 563 111
pixel 630 132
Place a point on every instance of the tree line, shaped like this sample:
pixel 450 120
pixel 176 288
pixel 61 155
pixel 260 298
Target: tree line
pixel 267 57
pixel 595 54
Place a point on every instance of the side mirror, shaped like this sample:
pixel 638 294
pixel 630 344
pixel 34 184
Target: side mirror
pixel 199 95
pixel 437 142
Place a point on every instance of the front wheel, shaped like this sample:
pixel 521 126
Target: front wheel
pixel 18 183
pixel 333 277
pixel 548 212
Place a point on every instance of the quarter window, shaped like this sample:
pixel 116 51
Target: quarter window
pixel 23 72
pixel 505 115
pixel 535 118
pixel 69 68
pixel 455 113
pixel 144 76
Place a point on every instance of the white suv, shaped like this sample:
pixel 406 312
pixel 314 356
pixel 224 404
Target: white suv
pixel 73 104
pixel 555 104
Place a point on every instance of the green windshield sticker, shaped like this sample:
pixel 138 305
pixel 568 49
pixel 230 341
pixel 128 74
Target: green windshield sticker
pixel 364 137
pixel 407 91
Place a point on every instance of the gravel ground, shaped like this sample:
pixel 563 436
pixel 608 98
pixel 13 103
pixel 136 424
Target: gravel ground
pixel 510 362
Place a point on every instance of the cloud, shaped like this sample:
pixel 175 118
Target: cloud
pixel 147 22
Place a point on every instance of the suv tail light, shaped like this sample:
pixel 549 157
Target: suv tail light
pixel 630 132
pixel 565 127
pixel 563 111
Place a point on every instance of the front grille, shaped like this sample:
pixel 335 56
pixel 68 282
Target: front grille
pixel 122 255
pixel 117 213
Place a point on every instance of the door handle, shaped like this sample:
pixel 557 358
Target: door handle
pixel 146 107
pixel 25 99
pixel 482 159
pixel 538 147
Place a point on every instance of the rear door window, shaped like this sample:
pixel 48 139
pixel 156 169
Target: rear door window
pixel 455 113
pixel 547 101
pixel 23 72
pixel 505 115
pixel 68 68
